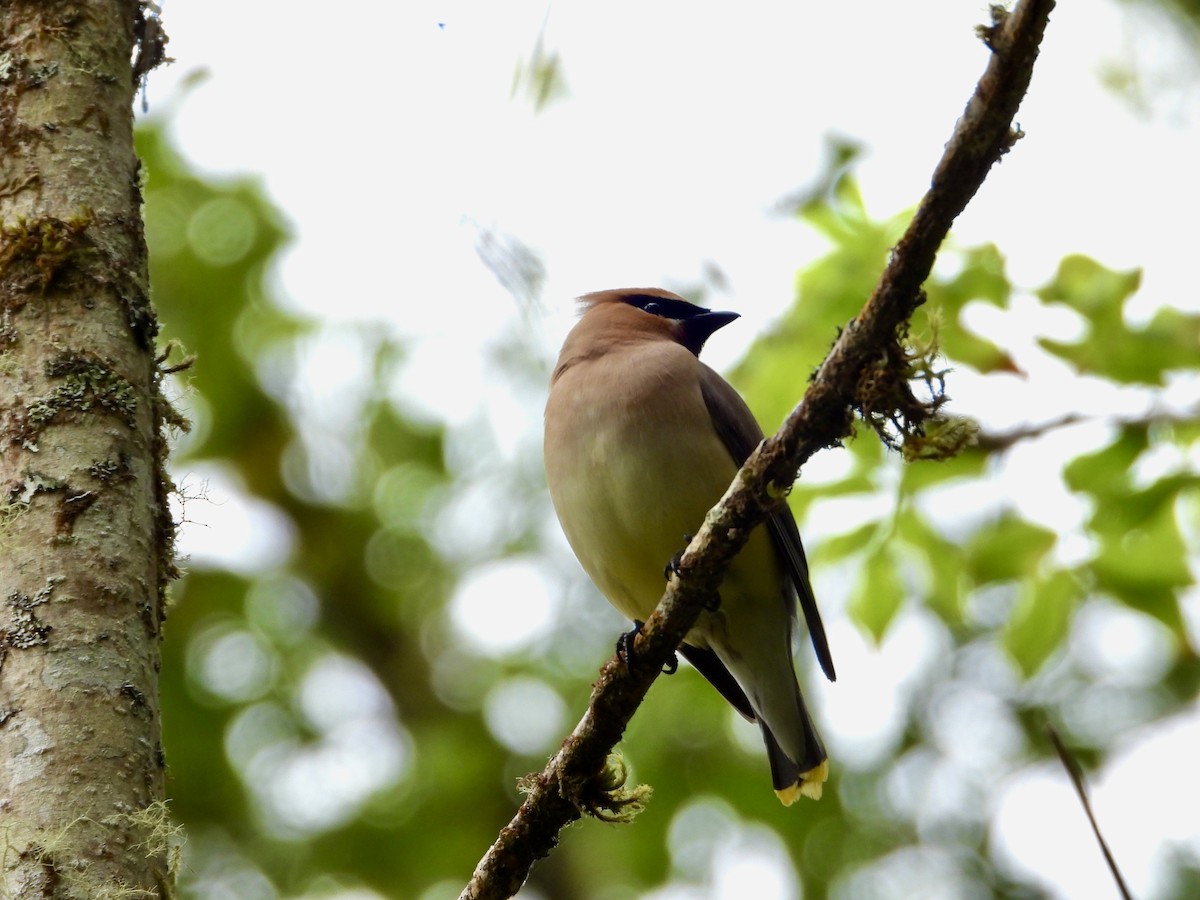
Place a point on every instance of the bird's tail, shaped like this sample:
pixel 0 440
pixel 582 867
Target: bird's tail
pixel 795 778
pixel 760 681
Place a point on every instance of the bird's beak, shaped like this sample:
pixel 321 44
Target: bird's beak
pixel 718 317
pixel 700 328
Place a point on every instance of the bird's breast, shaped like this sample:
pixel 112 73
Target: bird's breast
pixel 633 465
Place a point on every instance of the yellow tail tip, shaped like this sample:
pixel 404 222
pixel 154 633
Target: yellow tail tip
pixel 809 784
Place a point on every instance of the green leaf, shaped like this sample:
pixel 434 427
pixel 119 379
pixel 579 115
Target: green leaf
pixel 1120 513
pixel 982 278
pixel 879 593
pixel 1112 348
pixel 846 544
pixel 1106 472
pixel 803 494
pixel 916 476
pixel 1096 292
pixel 1105 475
pixel 1041 618
pixel 1146 566
pixel 1007 548
pixel 944 593
pixel 963 346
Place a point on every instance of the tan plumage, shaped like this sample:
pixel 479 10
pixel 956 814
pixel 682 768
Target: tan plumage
pixel 642 439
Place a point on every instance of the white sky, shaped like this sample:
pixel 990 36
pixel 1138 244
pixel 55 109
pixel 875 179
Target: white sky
pixel 387 134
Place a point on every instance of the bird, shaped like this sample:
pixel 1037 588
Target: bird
pixel 641 439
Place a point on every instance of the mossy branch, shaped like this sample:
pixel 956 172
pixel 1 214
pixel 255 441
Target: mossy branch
pixel 866 371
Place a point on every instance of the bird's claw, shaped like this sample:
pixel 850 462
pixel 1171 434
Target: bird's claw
pixel 625 650
pixel 625 644
pixel 672 568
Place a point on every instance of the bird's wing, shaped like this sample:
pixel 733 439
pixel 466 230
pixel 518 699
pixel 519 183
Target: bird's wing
pixel 786 536
pixel 741 434
pixel 708 664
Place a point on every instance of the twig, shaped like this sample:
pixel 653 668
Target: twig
pixel 1073 770
pixel 566 788
pixel 993 442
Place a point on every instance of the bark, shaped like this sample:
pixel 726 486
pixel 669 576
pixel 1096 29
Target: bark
pixel 85 533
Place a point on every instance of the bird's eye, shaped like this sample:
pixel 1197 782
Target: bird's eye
pixel 666 307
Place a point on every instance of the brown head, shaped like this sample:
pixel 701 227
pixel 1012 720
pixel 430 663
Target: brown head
pixel 638 314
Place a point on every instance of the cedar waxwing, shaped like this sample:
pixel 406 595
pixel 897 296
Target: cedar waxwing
pixel 642 439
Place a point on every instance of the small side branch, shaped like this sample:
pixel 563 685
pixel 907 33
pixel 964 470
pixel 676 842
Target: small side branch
pixel 1076 775
pixel 568 786
pixel 996 442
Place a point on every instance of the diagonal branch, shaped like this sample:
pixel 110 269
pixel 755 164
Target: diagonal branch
pixel 1076 775
pixel 866 351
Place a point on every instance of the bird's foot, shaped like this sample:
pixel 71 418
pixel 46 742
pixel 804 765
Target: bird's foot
pixel 625 644
pixel 672 568
pixel 625 650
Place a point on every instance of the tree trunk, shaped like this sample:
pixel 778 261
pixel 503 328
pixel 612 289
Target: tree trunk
pixel 85 532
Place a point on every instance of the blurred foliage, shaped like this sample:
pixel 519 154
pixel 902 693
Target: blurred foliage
pixel 1183 14
pixel 330 724
pixel 540 79
pixel 998 581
